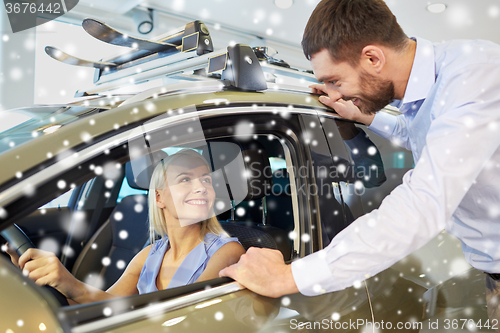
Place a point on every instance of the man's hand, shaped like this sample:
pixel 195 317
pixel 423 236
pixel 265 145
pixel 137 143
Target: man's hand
pixel 263 271
pixel 345 109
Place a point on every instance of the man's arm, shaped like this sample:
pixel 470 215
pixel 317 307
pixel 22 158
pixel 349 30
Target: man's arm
pixel 460 142
pixel 392 128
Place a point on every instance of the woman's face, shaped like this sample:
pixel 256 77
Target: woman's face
pixel 188 195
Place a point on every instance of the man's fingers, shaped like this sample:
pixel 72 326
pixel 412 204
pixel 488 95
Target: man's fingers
pixel 345 109
pixel 228 271
pixel 340 108
pixel 318 88
pixel 338 105
pixel 326 100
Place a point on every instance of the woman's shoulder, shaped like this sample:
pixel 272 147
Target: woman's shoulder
pixel 212 239
pixel 222 242
pixel 158 244
pixel 139 259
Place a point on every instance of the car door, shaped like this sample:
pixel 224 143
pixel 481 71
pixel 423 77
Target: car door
pixel 377 167
pixel 224 307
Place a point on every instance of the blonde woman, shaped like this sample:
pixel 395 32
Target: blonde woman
pixel 193 246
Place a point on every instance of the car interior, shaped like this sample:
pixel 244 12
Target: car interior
pixel 108 220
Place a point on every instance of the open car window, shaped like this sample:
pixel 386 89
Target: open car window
pixel 256 198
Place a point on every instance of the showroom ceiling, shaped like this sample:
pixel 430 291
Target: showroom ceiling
pixel 462 18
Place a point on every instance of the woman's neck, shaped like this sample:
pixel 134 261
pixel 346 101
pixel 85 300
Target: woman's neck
pixel 182 239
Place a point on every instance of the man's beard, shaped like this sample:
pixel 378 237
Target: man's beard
pixel 379 93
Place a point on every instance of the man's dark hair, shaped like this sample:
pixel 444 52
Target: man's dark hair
pixel 345 27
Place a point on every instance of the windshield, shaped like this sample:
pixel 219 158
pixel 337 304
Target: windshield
pixel 22 125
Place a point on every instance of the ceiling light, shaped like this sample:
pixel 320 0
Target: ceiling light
pixel 436 8
pixel 283 4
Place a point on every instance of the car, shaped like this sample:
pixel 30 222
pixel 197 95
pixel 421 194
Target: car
pixel 287 174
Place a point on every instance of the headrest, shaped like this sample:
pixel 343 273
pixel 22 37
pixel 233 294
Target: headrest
pixel 130 215
pixel 241 172
pixel 139 176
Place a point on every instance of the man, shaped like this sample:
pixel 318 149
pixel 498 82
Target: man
pixel 450 105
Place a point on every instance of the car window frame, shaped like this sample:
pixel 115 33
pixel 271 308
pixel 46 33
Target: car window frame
pixel 94 154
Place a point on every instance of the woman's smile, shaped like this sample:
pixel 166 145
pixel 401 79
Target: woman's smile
pixel 197 202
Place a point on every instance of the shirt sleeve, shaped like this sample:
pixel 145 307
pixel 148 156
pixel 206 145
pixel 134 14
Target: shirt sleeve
pixel 460 142
pixel 392 128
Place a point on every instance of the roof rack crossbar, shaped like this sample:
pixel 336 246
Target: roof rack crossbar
pixel 240 69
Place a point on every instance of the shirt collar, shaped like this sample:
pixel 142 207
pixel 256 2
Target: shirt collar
pixel 423 73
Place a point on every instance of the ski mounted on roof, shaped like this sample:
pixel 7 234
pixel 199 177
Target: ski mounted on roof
pixel 193 37
pixel 186 49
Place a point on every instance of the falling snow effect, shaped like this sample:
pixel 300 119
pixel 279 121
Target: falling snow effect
pixel 428 268
pixel 244 130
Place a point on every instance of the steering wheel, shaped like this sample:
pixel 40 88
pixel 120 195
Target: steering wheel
pixel 18 240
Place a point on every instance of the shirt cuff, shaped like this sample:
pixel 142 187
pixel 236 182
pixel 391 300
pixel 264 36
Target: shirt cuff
pixel 383 124
pixel 311 274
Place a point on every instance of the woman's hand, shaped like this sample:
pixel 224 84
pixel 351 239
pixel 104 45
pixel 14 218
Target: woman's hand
pixel 14 257
pixel 345 109
pixel 45 269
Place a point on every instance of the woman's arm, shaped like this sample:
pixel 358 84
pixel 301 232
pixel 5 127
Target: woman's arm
pixel 227 255
pixel 126 285
pixel 45 269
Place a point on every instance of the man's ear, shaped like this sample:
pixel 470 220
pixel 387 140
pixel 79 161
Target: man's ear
pixel 159 201
pixel 372 59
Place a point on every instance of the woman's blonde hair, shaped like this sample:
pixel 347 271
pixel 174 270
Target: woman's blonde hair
pixel 157 223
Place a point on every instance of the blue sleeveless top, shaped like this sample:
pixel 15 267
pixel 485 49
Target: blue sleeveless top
pixel 189 270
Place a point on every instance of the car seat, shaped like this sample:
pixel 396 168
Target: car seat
pixel 251 180
pixel 108 252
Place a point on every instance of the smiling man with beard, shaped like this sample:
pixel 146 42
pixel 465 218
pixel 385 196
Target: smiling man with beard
pixel 450 119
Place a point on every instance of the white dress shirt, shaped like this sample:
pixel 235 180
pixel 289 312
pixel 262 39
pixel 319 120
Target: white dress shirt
pixel 451 122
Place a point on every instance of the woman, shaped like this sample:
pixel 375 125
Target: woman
pixel 193 247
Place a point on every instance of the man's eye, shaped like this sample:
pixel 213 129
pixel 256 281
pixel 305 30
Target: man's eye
pixel 208 180
pixel 185 179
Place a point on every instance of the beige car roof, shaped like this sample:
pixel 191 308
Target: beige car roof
pixel 17 161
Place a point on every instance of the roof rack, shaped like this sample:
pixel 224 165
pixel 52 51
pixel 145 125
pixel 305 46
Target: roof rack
pixel 172 55
pixel 239 66
pixel 230 60
pixel 192 37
